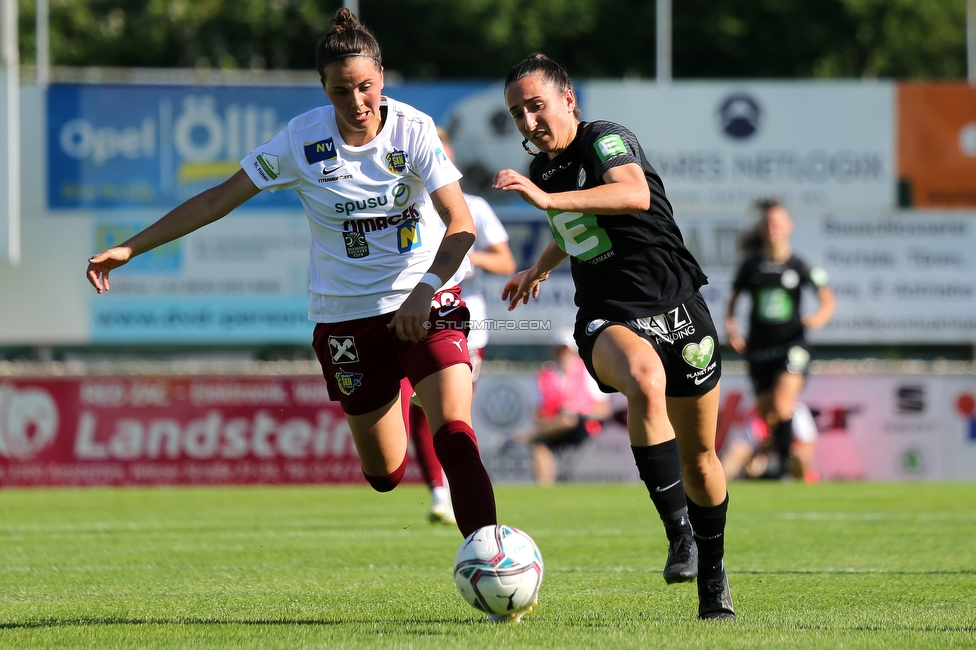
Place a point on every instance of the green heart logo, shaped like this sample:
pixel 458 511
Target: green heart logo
pixel 699 355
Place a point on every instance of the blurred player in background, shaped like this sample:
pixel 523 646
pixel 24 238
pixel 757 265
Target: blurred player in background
pixel 749 453
pixel 642 327
pixel 390 234
pixel 776 350
pixel 490 254
pixel 571 409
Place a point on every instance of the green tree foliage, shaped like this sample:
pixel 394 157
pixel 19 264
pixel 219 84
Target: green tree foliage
pixel 453 39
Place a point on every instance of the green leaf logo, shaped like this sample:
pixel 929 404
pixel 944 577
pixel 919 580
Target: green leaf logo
pixel 699 355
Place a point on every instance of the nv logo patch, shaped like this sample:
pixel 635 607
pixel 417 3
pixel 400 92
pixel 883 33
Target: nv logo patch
pixel 349 381
pixel 408 235
pixel 609 146
pixel 343 349
pixel 699 355
pixel 320 151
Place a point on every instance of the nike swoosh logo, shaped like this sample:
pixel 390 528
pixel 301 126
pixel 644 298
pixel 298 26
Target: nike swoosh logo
pixel 326 172
pixel 666 487
pixel 700 380
pixel 445 312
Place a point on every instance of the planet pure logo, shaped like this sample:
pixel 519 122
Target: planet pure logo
pixel 28 421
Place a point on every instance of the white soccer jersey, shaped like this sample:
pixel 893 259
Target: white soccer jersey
pixel 489 231
pixel 374 228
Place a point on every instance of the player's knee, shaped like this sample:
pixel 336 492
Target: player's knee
pixel 388 482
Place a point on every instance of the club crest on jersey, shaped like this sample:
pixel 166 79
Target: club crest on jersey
pixel 320 151
pixel 356 245
pixel 349 381
pixel 343 349
pixel 408 235
pixel 396 161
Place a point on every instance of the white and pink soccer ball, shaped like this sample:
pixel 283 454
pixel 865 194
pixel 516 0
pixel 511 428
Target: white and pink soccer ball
pixel 498 570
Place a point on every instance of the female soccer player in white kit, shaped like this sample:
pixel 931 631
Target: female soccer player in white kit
pixel 390 231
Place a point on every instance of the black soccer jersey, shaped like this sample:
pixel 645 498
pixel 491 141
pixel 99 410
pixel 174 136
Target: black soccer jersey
pixel 624 266
pixel 775 288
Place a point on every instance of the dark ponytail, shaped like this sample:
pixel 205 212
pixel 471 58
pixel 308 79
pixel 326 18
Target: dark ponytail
pixel 348 37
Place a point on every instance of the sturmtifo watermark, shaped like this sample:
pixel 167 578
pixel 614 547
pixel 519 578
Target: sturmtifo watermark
pixel 492 324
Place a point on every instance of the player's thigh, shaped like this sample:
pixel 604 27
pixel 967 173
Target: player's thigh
pixel 446 395
pixel 626 361
pixel 785 391
pixel 380 437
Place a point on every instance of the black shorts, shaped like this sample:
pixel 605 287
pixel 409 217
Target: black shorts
pixel 684 337
pixel 766 365
pixel 571 438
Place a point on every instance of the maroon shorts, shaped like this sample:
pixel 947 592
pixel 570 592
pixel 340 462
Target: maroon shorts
pixel 363 361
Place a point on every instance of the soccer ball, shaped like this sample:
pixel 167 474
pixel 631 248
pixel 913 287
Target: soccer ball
pixel 498 570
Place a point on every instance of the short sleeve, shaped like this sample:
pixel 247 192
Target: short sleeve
pixel 488 227
pixel 430 161
pixel 739 283
pixel 272 166
pixel 610 145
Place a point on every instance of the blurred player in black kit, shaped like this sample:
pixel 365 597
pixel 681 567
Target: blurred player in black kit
pixel 776 350
pixel 642 327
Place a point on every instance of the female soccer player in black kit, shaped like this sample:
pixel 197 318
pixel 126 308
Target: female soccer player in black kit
pixel 776 350
pixel 642 327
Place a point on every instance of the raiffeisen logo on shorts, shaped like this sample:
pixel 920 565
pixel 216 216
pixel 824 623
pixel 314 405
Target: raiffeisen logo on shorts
pixel 28 421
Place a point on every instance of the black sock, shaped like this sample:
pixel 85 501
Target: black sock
pixel 660 469
pixel 709 525
pixel 783 440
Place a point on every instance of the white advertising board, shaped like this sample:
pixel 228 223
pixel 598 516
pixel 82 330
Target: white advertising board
pixel 870 427
pixel 723 145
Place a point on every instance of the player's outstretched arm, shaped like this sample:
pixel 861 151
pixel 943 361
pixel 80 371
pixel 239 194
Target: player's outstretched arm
pixel 194 213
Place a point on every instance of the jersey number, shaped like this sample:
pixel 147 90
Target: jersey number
pixel 579 235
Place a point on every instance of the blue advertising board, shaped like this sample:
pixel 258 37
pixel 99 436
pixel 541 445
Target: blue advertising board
pixel 125 146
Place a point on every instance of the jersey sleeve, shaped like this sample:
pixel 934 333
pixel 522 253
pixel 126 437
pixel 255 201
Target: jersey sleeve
pixel 273 165
pixel 487 226
pixel 739 283
pixel 608 145
pixel 430 160
pixel 814 276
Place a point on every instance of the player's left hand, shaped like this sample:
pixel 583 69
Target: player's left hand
pixel 509 180
pixel 99 266
pixel 412 321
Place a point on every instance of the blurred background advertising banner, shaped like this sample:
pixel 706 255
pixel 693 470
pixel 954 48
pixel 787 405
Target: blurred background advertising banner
pixel 243 279
pixel 124 146
pixel 148 430
pixel 937 144
pixel 899 277
pixel 721 145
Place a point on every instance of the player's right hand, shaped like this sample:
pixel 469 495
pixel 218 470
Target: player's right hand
pixel 100 265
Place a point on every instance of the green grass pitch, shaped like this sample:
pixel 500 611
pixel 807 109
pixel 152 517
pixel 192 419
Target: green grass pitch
pixel 833 565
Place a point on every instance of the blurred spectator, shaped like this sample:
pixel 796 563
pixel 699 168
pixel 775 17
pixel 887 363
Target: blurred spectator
pixel 571 409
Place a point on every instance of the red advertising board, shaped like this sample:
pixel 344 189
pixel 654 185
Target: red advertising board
pixel 174 430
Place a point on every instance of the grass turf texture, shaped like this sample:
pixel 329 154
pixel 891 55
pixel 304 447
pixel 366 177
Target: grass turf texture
pixel 853 565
